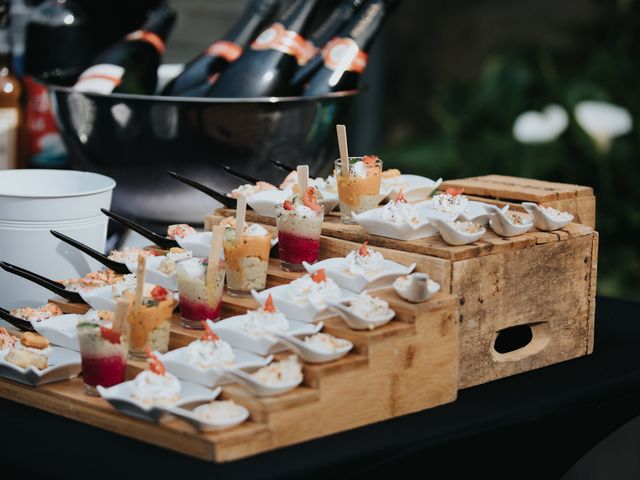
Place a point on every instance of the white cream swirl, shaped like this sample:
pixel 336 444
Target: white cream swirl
pixel 400 212
pixel 369 264
pixel 368 307
pixel 205 354
pixel 153 389
pixel 305 290
pixel 259 323
pixel 285 371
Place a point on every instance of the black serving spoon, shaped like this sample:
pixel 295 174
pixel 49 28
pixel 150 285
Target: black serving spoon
pixel 162 242
pixel 241 175
pixel 51 285
pixel 221 197
pixel 19 323
pixel 117 267
pixel 283 166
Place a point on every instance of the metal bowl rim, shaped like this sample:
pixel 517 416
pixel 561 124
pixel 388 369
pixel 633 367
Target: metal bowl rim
pixel 206 100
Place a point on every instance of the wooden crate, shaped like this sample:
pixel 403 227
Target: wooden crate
pixel 501 190
pixel 544 283
pixel 405 366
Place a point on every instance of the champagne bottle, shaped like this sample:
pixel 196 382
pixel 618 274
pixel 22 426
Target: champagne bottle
pixel 131 65
pixel 266 68
pixel 10 90
pixel 325 32
pixel 201 72
pixel 345 56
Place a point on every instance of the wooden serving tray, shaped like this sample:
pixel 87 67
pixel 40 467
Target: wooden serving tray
pixel 405 366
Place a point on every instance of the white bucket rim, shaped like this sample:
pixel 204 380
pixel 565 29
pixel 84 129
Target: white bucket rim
pixel 108 183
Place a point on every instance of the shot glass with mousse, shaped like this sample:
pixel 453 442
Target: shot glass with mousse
pixel 299 222
pixel 358 181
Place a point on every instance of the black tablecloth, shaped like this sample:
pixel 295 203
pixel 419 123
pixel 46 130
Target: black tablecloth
pixel 534 425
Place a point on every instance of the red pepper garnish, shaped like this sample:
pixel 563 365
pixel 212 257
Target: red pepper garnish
pixel 110 335
pixel 454 191
pixel 363 249
pixel 156 253
pixel 269 306
pixel 209 335
pixel 319 276
pixel 288 205
pixel 400 197
pixel 159 293
pixel 310 200
pixel 155 365
pixel 370 159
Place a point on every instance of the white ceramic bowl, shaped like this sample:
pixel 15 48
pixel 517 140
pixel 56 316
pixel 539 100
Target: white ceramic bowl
pixel 32 202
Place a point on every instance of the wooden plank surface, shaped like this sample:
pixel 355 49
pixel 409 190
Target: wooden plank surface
pixel 404 366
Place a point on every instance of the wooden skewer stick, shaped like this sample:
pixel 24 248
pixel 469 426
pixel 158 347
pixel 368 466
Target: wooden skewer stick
pixel 120 316
pixel 303 179
pixel 241 211
pixel 344 151
pixel 214 257
pixel 142 262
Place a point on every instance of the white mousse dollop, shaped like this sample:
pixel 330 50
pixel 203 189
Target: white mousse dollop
pixel 205 354
pixel 400 212
pixel 286 371
pixel 153 389
pixel 220 411
pixel 326 343
pixel 369 308
pixel 449 203
pixel 365 261
pixel 260 322
pixel 306 290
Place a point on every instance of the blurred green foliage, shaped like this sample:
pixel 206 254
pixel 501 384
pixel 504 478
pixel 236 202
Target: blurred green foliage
pixel 475 120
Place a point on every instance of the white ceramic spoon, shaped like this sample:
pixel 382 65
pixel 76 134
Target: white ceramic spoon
pixel 502 225
pixel 356 322
pixel 544 221
pixel 420 289
pixel 259 389
pixel 454 236
pixel 309 354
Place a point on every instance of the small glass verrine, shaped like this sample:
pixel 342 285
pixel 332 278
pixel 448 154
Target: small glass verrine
pixel 299 231
pixel 104 355
pixel 246 260
pixel 360 190
pixel 150 323
pixel 197 301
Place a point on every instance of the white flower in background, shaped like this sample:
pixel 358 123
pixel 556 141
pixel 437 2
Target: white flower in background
pixel 603 121
pixel 541 127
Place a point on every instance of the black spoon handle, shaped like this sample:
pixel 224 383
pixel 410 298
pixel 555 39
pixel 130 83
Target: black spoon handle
pixel 162 242
pixel 222 198
pixel 55 287
pixel 283 166
pixel 19 323
pixel 238 174
pixel 117 267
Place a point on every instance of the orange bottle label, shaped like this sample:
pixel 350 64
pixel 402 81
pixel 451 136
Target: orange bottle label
pixel 277 37
pixel 345 55
pixel 227 50
pixel 148 37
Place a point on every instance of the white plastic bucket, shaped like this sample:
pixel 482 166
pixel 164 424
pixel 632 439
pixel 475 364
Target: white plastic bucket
pixel 32 202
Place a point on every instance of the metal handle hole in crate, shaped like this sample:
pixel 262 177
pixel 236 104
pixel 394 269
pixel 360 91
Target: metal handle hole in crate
pixel 520 341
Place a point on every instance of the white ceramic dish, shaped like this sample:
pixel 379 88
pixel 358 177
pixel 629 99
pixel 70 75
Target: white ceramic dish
pixel 264 203
pixel 420 288
pixel 453 236
pixel 33 202
pixel 200 243
pixel 337 270
pixel 303 312
pixel 208 425
pixel 176 362
pixel 120 397
pixel 501 224
pixel 310 354
pixel 231 331
pixel 373 223
pixel 63 364
pixel 153 275
pixel 102 298
pixel 60 330
pixel 414 187
pixel 257 388
pixel 545 222
pixel 357 322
